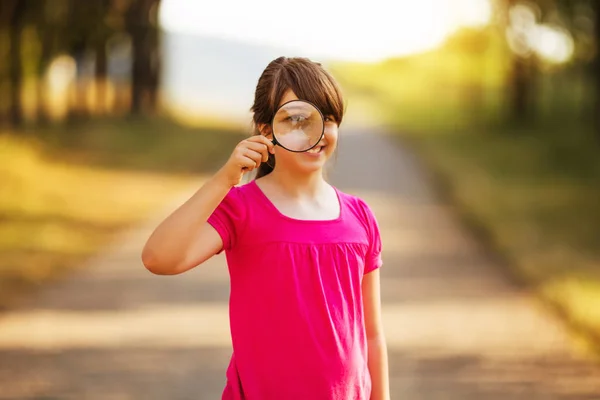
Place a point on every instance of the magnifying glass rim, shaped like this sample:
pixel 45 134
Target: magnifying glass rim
pixel 276 142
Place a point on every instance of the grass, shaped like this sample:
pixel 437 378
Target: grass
pixel 537 201
pixel 533 194
pixel 153 145
pixel 66 192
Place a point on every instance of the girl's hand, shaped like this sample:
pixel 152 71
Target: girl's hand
pixel 246 157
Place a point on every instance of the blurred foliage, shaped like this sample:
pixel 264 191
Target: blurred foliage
pixel 152 144
pixel 84 150
pixel 533 199
pixel 53 215
pixel 62 199
pixel 524 172
pixel 92 34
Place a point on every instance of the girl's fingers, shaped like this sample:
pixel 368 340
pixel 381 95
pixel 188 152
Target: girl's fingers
pixel 262 139
pixel 255 156
pixel 259 148
pixel 247 164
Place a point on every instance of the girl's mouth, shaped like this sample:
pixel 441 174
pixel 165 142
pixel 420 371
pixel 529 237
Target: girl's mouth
pixel 316 150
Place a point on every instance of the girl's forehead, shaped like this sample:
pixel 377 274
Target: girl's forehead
pixel 289 95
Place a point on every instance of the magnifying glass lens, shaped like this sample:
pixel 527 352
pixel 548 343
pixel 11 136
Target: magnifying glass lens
pixel 298 126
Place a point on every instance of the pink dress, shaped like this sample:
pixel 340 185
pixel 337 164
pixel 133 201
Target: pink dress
pixel 296 312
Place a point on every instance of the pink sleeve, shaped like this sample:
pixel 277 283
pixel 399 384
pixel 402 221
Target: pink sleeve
pixel 373 258
pixel 229 218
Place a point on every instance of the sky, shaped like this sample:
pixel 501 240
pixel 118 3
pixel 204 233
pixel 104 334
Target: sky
pixel 336 29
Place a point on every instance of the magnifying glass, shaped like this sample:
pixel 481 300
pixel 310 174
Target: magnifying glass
pixel 298 126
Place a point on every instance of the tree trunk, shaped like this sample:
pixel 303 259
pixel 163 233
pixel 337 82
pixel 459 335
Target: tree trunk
pixel 144 38
pixel 77 34
pixel 154 72
pixel 7 8
pixel 4 81
pixel 16 64
pixel 521 78
pixel 139 70
pixel 47 39
pixel 596 66
pixel 101 75
pixel 100 43
pixel 521 89
pixel 78 108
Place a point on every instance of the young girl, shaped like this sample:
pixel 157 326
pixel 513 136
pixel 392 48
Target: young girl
pixel 303 257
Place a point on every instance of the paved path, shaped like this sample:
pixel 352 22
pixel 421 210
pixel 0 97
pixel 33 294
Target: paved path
pixel 456 329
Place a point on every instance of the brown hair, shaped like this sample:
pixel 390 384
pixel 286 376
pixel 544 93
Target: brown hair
pixel 308 80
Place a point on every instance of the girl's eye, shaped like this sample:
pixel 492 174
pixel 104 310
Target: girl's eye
pixel 329 119
pixel 296 118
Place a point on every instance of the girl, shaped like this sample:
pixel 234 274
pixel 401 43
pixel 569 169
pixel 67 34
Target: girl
pixel 303 257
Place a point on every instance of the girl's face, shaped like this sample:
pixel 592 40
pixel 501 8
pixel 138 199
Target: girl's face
pixel 314 159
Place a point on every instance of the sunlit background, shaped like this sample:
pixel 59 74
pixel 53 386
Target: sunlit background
pixel 110 109
pixel 240 38
pixel 214 53
pixel 330 30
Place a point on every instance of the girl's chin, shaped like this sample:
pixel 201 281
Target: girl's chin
pixel 305 162
pixel 305 166
pixel 313 159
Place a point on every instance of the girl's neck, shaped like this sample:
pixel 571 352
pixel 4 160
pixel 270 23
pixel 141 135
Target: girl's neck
pixel 298 185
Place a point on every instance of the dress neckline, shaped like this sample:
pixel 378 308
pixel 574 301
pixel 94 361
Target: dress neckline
pixel 308 221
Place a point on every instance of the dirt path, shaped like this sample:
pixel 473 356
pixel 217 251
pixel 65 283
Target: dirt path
pixel 456 328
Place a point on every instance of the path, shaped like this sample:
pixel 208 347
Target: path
pixel 456 329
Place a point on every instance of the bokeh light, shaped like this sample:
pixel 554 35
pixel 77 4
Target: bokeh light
pixel 526 36
pixel 554 44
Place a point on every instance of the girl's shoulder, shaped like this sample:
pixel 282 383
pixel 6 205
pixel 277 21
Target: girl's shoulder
pixel 242 192
pixel 363 212
pixel 357 206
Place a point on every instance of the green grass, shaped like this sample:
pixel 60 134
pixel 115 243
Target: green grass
pixel 538 201
pixel 66 192
pixel 156 144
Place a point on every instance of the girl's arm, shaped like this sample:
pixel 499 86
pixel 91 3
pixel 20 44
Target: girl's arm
pixel 185 239
pixel 377 347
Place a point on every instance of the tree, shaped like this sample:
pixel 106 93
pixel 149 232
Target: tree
pixel 99 35
pixel 12 15
pixel 83 30
pixel 519 20
pixel 141 25
pixel 585 36
pixel 596 64
pixel 47 17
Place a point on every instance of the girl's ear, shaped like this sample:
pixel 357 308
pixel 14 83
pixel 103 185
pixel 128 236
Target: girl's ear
pixel 265 130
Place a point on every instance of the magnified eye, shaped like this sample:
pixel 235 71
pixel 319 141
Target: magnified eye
pixel 297 119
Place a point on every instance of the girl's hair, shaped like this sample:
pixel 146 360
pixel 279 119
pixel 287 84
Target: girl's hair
pixel 308 80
